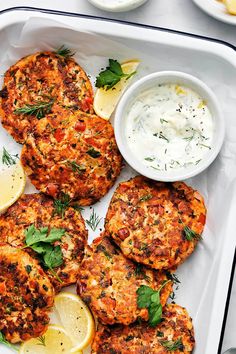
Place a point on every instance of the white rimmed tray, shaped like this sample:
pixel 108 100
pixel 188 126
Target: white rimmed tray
pixel 217 10
pixel 206 275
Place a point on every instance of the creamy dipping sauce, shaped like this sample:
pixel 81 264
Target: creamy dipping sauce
pixel 113 4
pixel 169 127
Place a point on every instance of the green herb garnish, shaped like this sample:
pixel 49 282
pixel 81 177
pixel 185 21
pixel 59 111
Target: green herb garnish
pixel 150 299
pixel 60 205
pixel 41 241
pixel 93 153
pixel 5 342
pixel 145 198
pixel 171 345
pixel 7 158
pixel 139 271
pixel 112 75
pixel 93 221
pixel 173 277
pixel 42 340
pixel 39 109
pixel 190 235
pixel 76 167
pixel 149 159
pixel 65 52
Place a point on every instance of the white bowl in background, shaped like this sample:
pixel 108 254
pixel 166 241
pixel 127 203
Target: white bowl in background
pixel 117 5
pixel 148 82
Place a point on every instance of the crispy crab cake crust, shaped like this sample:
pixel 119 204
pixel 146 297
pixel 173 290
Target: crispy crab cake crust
pixel 40 77
pixel 26 295
pixel 74 154
pixel 143 339
pixel 38 209
pixel 108 283
pixel 147 220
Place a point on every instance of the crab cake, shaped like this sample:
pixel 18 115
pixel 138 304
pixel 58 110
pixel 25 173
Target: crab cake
pixel 154 223
pixel 26 295
pixel 174 334
pixel 75 154
pixel 108 283
pixel 44 77
pixel 38 210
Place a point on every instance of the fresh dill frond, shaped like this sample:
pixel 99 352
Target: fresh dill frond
pixel 42 341
pixel 60 205
pixel 39 109
pixel 93 221
pixel 65 52
pixel 8 159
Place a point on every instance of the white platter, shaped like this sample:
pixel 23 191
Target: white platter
pixel 206 275
pixel 217 10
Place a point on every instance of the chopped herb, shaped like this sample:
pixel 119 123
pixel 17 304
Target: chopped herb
pixel 163 121
pixel 65 52
pixel 39 109
pixel 139 271
pixel 173 277
pixel 161 136
pixel 145 198
pixel 5 342
pixel 93 153
pixel 76 167
pixel 128 338
pixel 28 268
pixel 171 345
pixel 160 334
pixel 7 158
pixel 149 159
pixel 93 221
pixel 190 235
pixel 77 207
pixel 112 75
pixel 42 340
pixel 206 146
pixel 60 205
pixel 150 299
pixel 103 249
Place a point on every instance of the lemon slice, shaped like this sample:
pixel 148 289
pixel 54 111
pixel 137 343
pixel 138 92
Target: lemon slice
pixel 76 319
pixel 12 185
pixel 55 340
pixel 105 101
pixel 231 6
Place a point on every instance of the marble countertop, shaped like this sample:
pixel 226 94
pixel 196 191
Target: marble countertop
pixel 180 15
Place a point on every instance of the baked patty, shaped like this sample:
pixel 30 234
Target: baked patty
pixel 42 77
pixel 38 210
pixel 108 283
pixel 154 223
pixel 173 335
pixel 26 295
pixel 74 154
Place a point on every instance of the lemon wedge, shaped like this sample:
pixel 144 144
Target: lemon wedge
pixel 55 340
pixel 76 319
pixel 105 101
pixel 12 185
pixel 231 6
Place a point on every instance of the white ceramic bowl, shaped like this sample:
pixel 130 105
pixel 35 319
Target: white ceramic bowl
pixel 148 82
pixel 118 5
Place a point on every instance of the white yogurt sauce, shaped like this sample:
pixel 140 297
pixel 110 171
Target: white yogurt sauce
pixel 169 127
pixel 116 4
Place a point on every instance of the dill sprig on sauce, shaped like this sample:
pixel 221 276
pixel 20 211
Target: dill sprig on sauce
pixel 39 109
pixel 8 159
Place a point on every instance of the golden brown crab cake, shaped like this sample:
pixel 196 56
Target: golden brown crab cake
pixel 42 77
pixel 154 223
pixel 174 334
pixel 26 295
pixel 108 283
pixel 38 210
pixel 74 154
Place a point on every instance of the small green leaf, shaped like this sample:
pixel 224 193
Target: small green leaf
pixel 33 235
pixel 145 198
pixel 93 153
pixel 53 258
pixel 190 235
pixel 171 345
pixel 65 52
pixel 76 167
pixel 41 247
pixel 155 314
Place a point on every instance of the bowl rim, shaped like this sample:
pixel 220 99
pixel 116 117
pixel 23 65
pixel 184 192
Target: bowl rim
pixel 130 5
pixel 200 87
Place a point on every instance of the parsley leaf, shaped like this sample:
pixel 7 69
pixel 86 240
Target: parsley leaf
pixel 5 342
pixel 33 235
pixel 150 299
pixel 53 257
pixel 93 153
pixel 171 345
pixel 112 75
